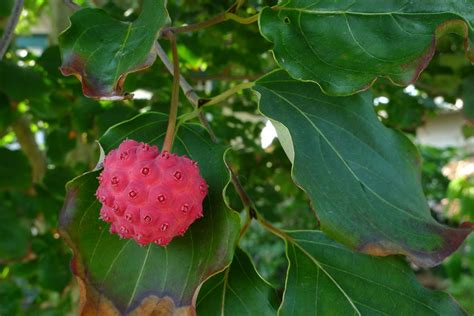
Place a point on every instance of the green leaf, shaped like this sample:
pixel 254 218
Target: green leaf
pixel 113 115
pixel 7 113
pixel 124 276
pixel 239 290
pixel 59 143
pixel 16 232
pixel 15 170
pixel 101 51
pixel 20 83
pixel 6 7
pixel 362 178
pixel 344 46
pixel 468 98
pixel 326 278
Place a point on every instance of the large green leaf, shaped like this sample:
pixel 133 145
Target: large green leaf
pixel 362 178
pixel 238 290
pixel 345 45
pixel 326 278
pixel 120 275
pixel 101 51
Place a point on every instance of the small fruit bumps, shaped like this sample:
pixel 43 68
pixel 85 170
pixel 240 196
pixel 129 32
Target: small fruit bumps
pixel 147 195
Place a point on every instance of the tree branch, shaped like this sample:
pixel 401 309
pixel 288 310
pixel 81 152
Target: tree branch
pixel 72 5
pixel 10 28
pixel 26 139
pixel 185 86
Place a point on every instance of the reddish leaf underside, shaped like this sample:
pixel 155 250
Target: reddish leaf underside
pixel 101 51
pixel 344 47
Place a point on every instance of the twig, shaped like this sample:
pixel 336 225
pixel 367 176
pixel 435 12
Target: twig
pixel 72 5
pixel 229 14
pixel 244 196
pixel 223 77
pixel 168 143
pixel 10 28
pixel 207 126
pixel 187 90
pixel 221 97
pixel 226 16
pixel 201 25
pixel 185 86
pixel 195 100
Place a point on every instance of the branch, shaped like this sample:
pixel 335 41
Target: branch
pixel 10 28
pixel 26 139
pixel 224 76
pixel 229 14
pixel 185 86
pixel 72 5
pixel 195 100
pixel 221 97
pixel 244 196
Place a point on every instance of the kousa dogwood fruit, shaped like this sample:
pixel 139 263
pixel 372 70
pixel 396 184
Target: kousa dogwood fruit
pixel 149 196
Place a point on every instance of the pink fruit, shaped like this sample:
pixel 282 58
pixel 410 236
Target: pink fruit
pixel 147 195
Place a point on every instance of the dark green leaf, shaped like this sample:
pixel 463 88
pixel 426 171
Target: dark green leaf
pixel 468 98
pixel 10 298
pixel 15 170
pixel 101 51
pixel 50 60
pixel 59 143
pixel 238 290
pixel 6 7
pixel 7 114
pixel 345 45
pixel 15 235
pixel 362 178
pixel 121 273
pixel 113 115
pixel 325 278
pixel 20 83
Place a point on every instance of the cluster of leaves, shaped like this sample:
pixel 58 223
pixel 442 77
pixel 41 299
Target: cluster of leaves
pixel 358 187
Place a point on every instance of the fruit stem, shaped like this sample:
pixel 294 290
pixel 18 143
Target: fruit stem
pixel 168 143
pixel 221 97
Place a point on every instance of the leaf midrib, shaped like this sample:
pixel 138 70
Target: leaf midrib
pixel 295 242
pixel 340 156
pixel 342 12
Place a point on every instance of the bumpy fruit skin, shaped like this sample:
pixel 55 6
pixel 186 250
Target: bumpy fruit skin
pixel 149 196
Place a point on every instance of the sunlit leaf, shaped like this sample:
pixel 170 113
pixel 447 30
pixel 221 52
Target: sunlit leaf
pixel 362 178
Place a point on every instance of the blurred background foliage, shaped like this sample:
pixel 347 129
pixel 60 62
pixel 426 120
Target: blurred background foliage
pixel 48 132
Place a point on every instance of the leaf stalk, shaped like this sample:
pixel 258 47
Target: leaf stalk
pixel 223 96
